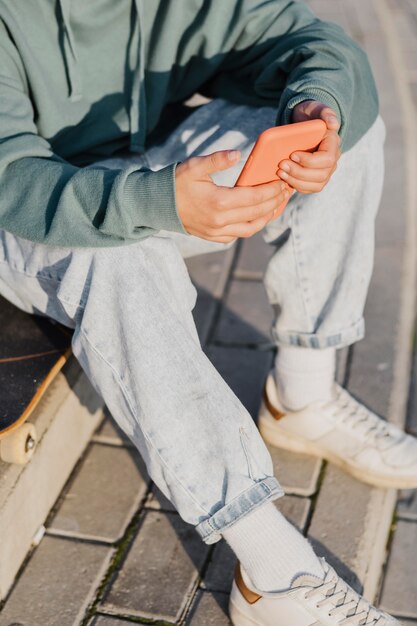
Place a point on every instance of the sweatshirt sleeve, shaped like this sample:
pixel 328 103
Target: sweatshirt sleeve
pixel 47 200
pixel 279 53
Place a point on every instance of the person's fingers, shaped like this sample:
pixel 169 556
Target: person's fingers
pixel 304 173
pixel 274 215
pixel 249 214
pixel 329 116
pixel 220 239
pixel 305 186
pixel 330 144
pixel 313 110
pixel 311 160
pixel 309 172
pixel 228 198
pixel 243 229
pixel 203 166
pixel 327 153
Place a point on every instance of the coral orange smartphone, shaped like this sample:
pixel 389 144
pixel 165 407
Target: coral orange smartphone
pixel 276 144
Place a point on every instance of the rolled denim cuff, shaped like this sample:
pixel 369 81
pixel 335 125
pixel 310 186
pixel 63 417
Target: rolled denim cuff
pixel 343 338
pixel 263 491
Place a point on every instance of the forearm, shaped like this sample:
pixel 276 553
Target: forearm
pixel 49 201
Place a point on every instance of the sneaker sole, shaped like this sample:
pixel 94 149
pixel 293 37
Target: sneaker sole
pixel 238 618
pixel 269 429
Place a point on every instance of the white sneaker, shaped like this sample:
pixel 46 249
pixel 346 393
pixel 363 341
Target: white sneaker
pixel 343 432
pixel 309 602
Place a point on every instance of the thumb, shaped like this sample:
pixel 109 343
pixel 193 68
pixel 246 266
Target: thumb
pixel 329 116
pixel 313 110
pixel 217 161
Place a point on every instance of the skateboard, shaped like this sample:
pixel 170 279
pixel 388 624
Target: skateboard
pixel 33 350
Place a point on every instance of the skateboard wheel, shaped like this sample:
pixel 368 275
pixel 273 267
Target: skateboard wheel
pixel 19 446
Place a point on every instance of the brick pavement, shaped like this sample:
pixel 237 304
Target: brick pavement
pixel 115 551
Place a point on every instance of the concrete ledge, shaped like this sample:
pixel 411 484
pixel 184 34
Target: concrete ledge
pixel 65 420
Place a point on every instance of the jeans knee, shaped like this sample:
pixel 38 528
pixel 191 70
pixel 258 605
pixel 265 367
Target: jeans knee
pixel 111 277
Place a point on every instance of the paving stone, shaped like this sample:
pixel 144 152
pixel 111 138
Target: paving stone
pixel 246 317
pixel 209 273
pixel 297 473
pixel 221 569
pixel 407 504
pixel 342 529
pixel 367 28
pixel 245 371
pixel 371 375
pixel 407 29
pixel 204 313
pixel 330 10
pixel 209 609
pixel 160 570
pixel 399 589
pixel 295 509
pixel 342 360
pixel 105 620
pixel 410 58
pixel 254 254
pixel 391 225
pixel 103 496
pixel 110 433
pixel 158 502
pixel 57 585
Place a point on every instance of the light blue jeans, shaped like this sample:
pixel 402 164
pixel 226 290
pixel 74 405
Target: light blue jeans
pixel 134 334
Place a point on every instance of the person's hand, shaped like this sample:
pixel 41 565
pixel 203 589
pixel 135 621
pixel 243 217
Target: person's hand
pixel 220 213
pixel 308 172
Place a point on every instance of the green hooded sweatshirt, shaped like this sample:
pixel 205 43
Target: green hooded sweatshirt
pixel 82 80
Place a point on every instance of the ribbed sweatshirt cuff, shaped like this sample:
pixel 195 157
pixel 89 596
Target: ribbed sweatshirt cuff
pixel 286 108
pixel 149 198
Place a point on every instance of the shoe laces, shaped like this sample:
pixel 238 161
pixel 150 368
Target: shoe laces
pixel 344 603
pixel 373 428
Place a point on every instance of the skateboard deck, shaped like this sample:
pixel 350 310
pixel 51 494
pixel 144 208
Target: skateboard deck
pixel 32 352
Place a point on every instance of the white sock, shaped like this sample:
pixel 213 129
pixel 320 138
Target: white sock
pixel 271 550
pixel 304 375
